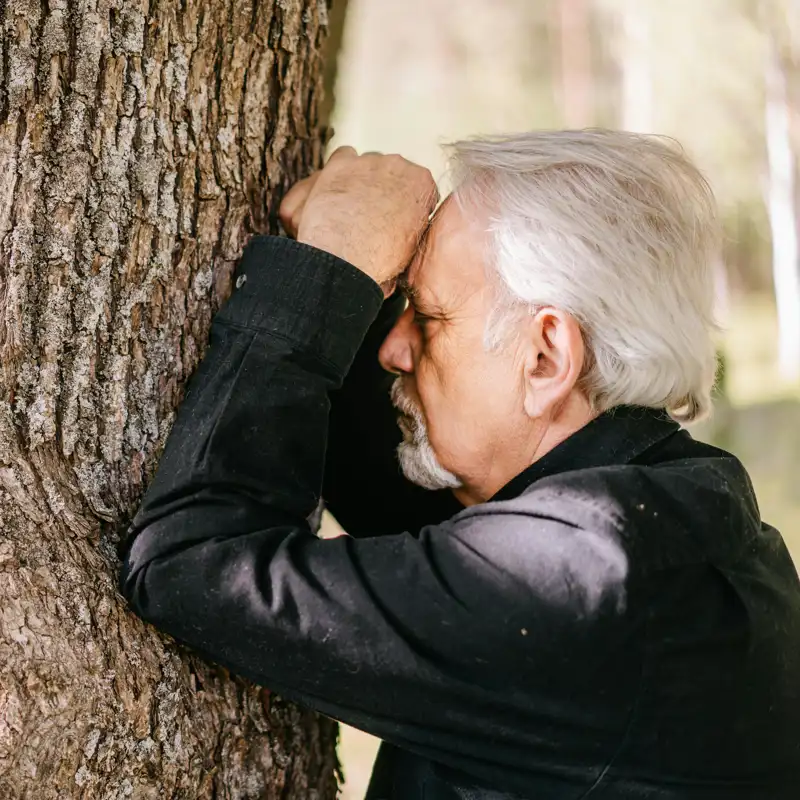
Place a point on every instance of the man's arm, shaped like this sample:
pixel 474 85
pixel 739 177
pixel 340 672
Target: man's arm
pixel 363 486
pixel 222 557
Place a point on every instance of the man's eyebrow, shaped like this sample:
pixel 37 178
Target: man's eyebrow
pixel 406 289
pixel 411 293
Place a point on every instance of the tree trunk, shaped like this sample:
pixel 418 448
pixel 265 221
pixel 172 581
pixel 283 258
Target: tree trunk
pixel 337 17
pixel 141 141
pixel 637 84
pixel 782 209
pixel 574 36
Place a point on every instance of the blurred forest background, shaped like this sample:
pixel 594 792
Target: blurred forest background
pixel 721 76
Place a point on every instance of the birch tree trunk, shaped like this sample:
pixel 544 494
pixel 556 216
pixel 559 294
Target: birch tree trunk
pixel 637 85
pixel 141 141
pixel 573 29
pixel 783 43
pixel 782 208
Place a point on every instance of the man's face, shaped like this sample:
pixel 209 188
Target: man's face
pixel 461 405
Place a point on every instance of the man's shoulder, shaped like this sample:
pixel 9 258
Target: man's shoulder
pixel 689 486
pixel 687 506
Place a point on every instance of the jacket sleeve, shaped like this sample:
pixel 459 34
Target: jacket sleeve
pixel 222 558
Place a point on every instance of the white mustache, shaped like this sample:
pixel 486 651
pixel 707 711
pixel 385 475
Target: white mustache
pixel 412 420
pixel 400 399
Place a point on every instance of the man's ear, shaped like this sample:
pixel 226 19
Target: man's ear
pixel 554 361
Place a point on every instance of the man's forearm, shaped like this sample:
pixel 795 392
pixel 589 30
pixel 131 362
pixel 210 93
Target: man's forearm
pixel 251 432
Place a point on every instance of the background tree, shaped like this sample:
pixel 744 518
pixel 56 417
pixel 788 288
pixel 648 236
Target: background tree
pixel 337 14
pixel 571 20
pixel 637 102
pixel 781 23
pixel 141 141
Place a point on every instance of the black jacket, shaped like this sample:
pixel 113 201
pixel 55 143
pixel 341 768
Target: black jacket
pixel 616 622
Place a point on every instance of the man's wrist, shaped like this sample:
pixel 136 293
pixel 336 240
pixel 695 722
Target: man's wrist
pixel 347 246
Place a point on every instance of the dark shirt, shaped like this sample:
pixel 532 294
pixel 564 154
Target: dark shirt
pixel 617 622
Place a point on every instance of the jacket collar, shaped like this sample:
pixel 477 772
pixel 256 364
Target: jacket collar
pixel 618 436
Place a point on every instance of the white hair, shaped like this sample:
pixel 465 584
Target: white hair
pixel 619 230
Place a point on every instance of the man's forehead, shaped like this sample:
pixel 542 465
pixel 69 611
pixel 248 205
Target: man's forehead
pixel 448 257
pixel 425 242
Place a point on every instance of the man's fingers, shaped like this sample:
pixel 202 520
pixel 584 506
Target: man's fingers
pixel 366 209
pixel 293 201
pixel 433 195
pixel 343 152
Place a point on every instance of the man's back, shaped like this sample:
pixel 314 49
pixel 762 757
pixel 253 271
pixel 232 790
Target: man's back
pixel 683 611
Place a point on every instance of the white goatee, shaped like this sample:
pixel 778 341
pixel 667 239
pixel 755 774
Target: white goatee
pixel 417 459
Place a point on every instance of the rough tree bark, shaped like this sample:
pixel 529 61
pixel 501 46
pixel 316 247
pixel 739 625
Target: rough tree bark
pixel 140 142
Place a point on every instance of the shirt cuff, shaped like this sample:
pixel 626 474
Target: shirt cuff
pixel 316 300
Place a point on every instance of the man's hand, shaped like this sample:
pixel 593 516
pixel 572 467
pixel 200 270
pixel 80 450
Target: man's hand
pixel 369 210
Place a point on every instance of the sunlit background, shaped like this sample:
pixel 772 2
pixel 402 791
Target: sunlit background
pixel 721 76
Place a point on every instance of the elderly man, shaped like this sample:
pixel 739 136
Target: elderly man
pixel 562 595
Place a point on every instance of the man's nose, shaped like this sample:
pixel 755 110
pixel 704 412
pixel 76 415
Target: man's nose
pixel 396 353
